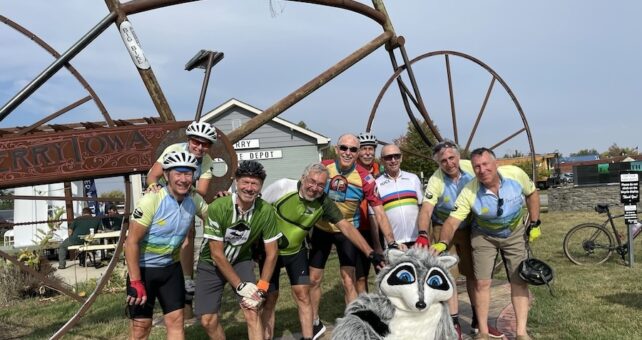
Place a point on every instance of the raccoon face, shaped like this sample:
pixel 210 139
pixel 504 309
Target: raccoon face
pixel 412 287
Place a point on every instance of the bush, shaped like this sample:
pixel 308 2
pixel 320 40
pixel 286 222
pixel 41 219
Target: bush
pixel 16 284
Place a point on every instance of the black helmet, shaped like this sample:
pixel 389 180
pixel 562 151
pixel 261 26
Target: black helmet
pixel 535 272
pixel 251 169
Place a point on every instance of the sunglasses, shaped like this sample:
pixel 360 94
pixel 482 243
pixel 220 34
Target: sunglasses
pixel 500 203
pixel 200 142
pixel 395 156
pixel 352 149
pixel 443 145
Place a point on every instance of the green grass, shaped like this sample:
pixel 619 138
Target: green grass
pixel 591 302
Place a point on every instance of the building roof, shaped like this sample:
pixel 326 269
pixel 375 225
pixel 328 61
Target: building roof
pixel 237 103
pixel 584 158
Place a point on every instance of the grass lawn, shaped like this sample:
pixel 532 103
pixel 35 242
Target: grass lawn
pixel 591 302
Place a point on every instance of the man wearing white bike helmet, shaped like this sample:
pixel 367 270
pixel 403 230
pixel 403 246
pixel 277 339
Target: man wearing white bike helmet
pixel 368 228
pixel 200 137
pixel 159 225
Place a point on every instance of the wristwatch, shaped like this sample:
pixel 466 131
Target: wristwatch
pixel 534 224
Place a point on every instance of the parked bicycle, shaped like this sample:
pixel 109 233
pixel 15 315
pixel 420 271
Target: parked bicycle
pixel 593 243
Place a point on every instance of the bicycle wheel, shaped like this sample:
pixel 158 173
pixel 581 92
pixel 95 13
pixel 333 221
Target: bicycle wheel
pixel 588 243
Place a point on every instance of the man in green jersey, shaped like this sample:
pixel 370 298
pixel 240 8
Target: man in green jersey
pixel 234 223
pixel 299 205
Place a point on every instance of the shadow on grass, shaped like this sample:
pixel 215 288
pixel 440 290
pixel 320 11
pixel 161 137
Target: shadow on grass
pixel 633 300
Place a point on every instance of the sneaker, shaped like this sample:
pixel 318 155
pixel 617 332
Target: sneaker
pixel 458 330
pixel 61 266
pixel 493 332
pixel 317 330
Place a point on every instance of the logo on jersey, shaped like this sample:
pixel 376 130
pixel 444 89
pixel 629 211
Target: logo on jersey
pixel 454 208
pixel 338 188
pixel 428 195
pixel 138 213
pixel 369 179
pixel 238 234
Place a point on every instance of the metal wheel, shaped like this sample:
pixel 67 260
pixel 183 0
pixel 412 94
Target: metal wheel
pixel 460 96
pixel 588 243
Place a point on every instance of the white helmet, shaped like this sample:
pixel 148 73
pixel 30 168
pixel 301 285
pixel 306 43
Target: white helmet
pixel 176 159
pixel 202 130
pixel 366 138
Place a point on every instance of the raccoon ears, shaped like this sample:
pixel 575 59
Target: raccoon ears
pixel 393 254
pixel 447 260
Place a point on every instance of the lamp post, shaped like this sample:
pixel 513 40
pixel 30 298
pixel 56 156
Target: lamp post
pixel 206 60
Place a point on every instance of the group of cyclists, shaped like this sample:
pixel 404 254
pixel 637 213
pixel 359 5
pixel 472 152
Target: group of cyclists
pixel 352 201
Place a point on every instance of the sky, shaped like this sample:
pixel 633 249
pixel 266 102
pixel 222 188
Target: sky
pixel 573 66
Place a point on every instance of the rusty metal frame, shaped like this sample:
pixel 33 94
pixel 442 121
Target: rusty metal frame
pixel 495 78
pixel 118 14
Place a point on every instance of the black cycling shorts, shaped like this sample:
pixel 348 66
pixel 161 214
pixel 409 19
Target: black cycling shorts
pixel 297 267
pixel 165 283
pixel 321 244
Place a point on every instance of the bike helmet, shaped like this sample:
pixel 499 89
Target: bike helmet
pixel 202 130
pixel 251 169
pixel 535 272
pixel 177 159
pixel 366 138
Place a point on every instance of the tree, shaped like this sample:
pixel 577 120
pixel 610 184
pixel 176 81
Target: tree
pixel 515 154
pixel 417 156
pixel 616 151
pixel 113 194
pixel 6 203
pixel 585 152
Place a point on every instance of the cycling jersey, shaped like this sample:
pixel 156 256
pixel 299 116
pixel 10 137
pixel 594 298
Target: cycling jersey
pixel 495 215
pixel 167 222
pixel 348 188
pixel 442 191
pixel 295 215
pixel 238 231
pixel 205 164
pixel 364 212
pixel 401 198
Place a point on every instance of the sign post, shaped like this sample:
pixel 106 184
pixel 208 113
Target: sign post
pixel 630 196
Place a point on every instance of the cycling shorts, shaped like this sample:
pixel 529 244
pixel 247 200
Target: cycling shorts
pixel 321 244
pixel 165 283
pixel 297 267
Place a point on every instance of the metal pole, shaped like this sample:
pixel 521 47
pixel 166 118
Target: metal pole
pixel 56 65
pixel 206 79
pixel 630 245
pixel 307 88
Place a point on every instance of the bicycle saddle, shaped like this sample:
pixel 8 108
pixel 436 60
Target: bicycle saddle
pixel 601 208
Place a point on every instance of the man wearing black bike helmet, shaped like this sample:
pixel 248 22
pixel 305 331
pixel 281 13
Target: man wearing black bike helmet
pixel 160 222
pixel 235 222
pixel 496 198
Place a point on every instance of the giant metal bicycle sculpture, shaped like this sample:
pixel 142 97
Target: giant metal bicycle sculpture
pixel 44 152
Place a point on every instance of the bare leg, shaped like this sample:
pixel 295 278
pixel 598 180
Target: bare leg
pixel 212 326
pixel 348 280
pixel 140 328
pixel 482 295
pixel 254 326
pixel 267 314
pixel 362 285
pixel 174 324
pixel 316 275
pixel 301 295
pixel 519 297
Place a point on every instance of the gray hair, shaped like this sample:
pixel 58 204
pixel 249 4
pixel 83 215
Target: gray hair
pixel 480 151
pixel 345 135
pixel 443 145
pixel 315 168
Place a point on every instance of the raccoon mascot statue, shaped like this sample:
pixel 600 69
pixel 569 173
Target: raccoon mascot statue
pixel 410 304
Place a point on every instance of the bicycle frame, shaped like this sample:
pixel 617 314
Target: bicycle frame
pixel 610 217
